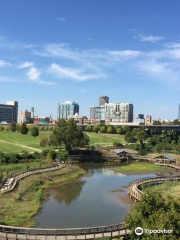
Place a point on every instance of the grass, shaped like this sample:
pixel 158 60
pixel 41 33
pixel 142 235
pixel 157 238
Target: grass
pixel 102 139
pixel 140 168
pixel 19 206
pixel 166 189
pixel 18 138
pixel 105 139
pixel 12 168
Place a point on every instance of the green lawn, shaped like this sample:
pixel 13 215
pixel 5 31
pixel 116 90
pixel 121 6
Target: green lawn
pixel 18 138
pixel 140 168
pixel 105 139
pixel 166 189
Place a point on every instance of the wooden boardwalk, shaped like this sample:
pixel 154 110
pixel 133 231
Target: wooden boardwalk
pixel 10 183
pixel 15 233
pixel 136 193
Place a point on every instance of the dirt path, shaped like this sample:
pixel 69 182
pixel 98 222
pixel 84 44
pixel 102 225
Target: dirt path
pixel 20 145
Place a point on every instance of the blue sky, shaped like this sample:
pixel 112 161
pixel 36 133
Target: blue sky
pixel 53 51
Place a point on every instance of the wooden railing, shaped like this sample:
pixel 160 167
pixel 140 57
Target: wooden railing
pixel 9 183
pixel 17 233
pixel 136 193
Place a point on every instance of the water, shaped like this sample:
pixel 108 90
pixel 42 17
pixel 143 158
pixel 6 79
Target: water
pixel 96 200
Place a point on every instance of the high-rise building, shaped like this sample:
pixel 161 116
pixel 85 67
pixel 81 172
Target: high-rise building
pixel 100 113
pixel 92 112
pixel 103 100
pixel 67 109
pixel 24 116
pixel 32 113
pixel 9 112
pixel 148 119
pixel 118 113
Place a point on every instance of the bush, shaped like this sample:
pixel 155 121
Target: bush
pixel 117 144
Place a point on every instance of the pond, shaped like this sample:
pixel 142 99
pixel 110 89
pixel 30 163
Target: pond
pixel 98 199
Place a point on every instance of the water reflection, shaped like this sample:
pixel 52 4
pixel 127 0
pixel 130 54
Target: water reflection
pixel 90 202
pixel 67 195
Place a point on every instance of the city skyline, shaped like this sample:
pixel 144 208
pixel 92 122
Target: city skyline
pixel 129 51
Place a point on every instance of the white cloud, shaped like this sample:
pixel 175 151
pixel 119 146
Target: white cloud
pixel 4 63
pixel 61 19
pixel 172 45
pixel 26 65
pixel 33 74
pixel 126 54
pixel 10 79
pixel 71 73
pixel 150 38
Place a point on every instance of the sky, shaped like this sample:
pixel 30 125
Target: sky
pixel 77 50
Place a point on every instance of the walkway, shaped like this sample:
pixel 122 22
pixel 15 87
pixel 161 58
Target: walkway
pixel 134 191
pixel 10 183
pixel 15 233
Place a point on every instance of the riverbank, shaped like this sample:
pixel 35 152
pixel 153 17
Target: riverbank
pixel 19 206
pixel 140 168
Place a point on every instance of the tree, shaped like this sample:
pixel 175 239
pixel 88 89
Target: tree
pixel 59 133
pixel 96 128
pixel 155 212
pixel 69 134
pixel 103 129
pixel 156 122
pixel 12 127
pixel 24 129
pixel 141 136
pixel 1 128
pixel 74 136
pixel 62 155
pixel 43 142
pixel 130 137
pixel 119 130
pixel 35 132
pixel 88 128
pixel 110 129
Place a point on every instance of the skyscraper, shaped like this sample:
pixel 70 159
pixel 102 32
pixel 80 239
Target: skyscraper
pixel 103 100
pixel 9 112
pixel 67 109
pixel 118 113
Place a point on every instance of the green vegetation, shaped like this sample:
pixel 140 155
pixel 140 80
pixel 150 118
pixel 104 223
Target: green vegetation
pixel 19 206
pixel 155 212
pixel 68 134
pixel 139 168
pixel 23 129
pixel 35 131
pixel 166 189
pixel 12 138
pixel 104 139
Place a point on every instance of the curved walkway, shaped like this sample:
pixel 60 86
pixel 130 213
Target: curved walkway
pixel 134 191
pixel 15 233
pixel 10 183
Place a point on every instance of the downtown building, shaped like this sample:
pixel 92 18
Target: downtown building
pixel 98 112
pixel 9 112
pixel 112 113
pixel 118 113
pixel 67 110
